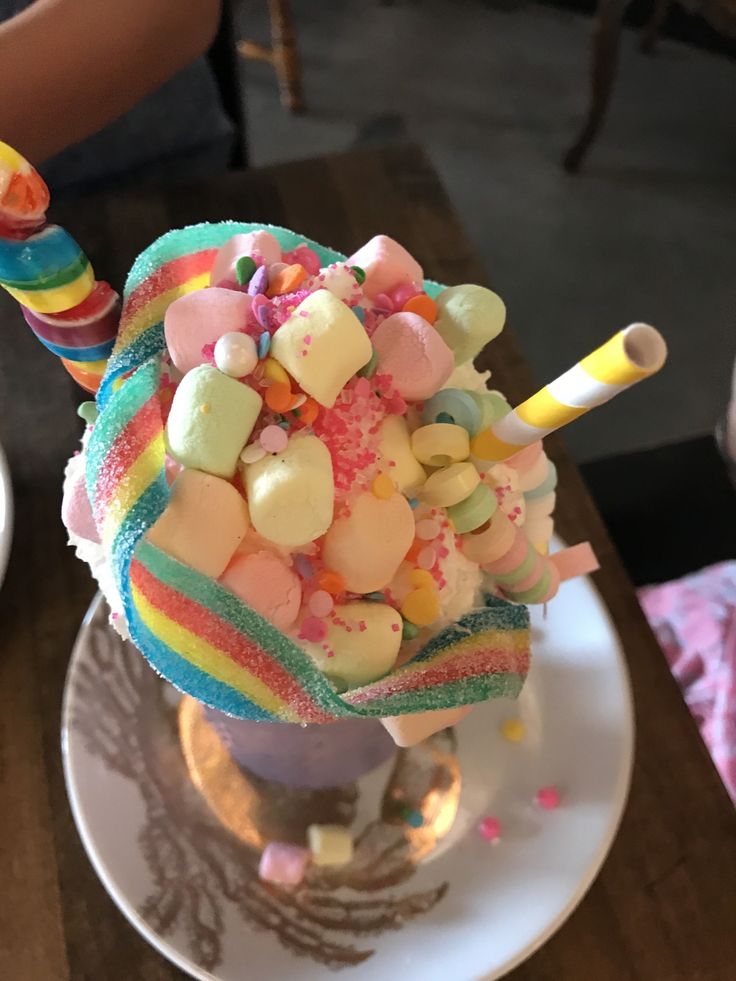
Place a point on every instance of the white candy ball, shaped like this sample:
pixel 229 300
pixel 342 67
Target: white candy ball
pixel 236 354
pixel 338 279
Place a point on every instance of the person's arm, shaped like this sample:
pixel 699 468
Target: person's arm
pixel 69 67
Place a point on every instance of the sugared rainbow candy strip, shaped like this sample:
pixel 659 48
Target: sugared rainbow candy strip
pixel 193 630
pixel 45 270
pixel 628 357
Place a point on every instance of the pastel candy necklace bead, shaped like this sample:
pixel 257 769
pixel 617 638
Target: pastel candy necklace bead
pixel 460 405
pixel 440 444
pixel 450 485
pixel 474 511
pixel 546 486
pixel 492 405
pixel 490 543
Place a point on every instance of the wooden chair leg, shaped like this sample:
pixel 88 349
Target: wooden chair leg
pixel 606 38
pixel 286 56
pixel 651 30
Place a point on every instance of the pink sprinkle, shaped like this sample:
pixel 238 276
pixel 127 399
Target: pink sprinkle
pixel 426 558
pixel 443 552
pixel 548 798
pixel 307 338
pixel 395 627
pixel 313 629
pixel 273 439
pixel 490 829
pixel 321 603
pixel 428 529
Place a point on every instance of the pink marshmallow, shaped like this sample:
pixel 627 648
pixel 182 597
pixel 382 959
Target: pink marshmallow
pixel 199 319
pixel 283 864
pixel 412 728
pixel 414 354
pixel 255 244
pixel 76 511
pixel 267 584
pixel 386 264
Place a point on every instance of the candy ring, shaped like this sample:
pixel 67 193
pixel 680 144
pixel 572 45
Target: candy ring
pixel 464 410
pixel 474 511
pixel 440 444
pixel 450 485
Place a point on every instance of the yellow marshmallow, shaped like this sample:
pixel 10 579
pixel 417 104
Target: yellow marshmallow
pixel 322 345
pixel 203 524
pixel 367 546
pixel 291 494
pixel 394 446
pixel 330 844
pixel 365 652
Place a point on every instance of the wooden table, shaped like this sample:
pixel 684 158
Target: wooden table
pixel 664 905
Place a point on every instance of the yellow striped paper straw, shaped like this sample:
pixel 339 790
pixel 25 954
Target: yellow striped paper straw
pixel 634 353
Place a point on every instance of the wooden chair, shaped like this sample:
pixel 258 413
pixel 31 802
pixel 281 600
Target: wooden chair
pixel 720 14
pixel 283 55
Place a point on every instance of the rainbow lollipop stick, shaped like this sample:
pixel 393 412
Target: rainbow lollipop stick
pixel 628 357
pixel 44 269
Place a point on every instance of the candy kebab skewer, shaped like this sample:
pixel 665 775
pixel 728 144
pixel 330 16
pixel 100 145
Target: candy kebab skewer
pixel 45 270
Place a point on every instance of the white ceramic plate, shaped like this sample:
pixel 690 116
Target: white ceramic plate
pixel 469 910
pixel 6 514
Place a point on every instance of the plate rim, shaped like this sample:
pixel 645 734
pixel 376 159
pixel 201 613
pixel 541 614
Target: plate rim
pixel 619 799
pixel 6 535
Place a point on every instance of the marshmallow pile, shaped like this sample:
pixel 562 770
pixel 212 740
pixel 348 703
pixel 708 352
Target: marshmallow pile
pixel 319 427
pixel 322 430
pixel 325 472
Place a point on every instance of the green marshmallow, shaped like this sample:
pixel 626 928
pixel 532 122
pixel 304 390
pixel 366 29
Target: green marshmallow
pixel 211 418
pixel 468 318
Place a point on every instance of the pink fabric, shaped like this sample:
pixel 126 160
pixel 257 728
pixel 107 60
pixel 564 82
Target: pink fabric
pixel 694 619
